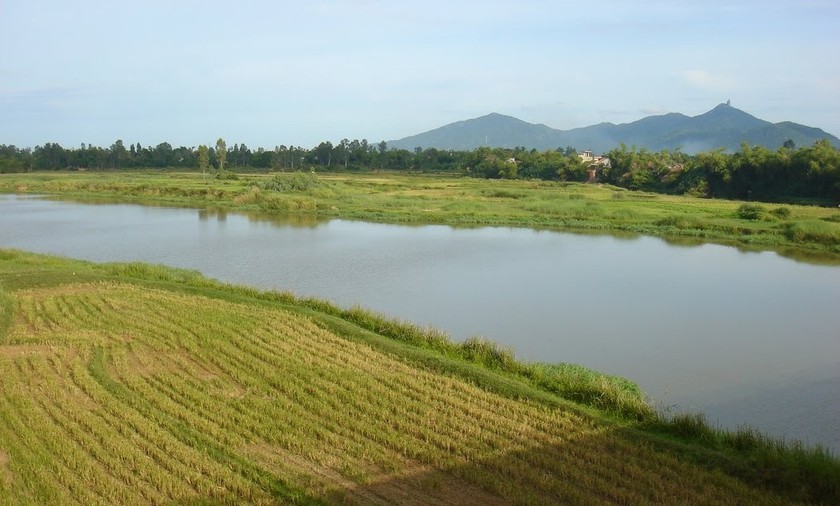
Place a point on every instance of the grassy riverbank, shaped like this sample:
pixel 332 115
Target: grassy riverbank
pixel 128 383
pixel 802 231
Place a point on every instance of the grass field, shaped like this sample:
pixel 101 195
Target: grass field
pixel 129 384
pixel 806 232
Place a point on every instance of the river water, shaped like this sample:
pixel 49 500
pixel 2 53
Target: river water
pixel 746 338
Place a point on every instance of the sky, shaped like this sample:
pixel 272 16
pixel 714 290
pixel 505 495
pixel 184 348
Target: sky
pixel 269 73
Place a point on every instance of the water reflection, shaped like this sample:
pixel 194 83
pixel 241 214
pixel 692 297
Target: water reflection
pixel 217 214
pixel 277 220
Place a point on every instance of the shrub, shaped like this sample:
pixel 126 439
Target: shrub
pixel 750 212
pixel 781 212
pixel 227 175
pixel 298 181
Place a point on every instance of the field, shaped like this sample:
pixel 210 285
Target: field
pixel 806 232
pixel 130 384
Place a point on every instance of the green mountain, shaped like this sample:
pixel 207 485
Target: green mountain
pixel 491 130
pixel 723 127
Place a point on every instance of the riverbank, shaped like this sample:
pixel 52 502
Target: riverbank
pixel 136 383
pixel 804 232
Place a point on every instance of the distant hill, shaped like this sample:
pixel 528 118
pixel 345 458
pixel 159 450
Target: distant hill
pixel 722 127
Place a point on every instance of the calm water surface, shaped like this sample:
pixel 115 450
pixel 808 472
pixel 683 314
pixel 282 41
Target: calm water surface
pixel 744 337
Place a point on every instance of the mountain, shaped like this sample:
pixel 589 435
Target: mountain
pixel 490 130
pixel 723 127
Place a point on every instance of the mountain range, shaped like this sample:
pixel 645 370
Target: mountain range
pixel 723 127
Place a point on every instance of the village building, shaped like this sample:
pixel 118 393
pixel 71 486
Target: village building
pixel 595 163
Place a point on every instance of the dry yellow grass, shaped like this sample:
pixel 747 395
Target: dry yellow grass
pixel 112 393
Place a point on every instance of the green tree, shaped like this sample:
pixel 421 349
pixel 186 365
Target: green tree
pixel 323 153
pixel 50 156
pixel 344 151
pixel 359 152
pixel 203 160
pixel 163 155
pixel 118 154
pixel 221 154
pixel 821 164
pixel 383 148
pixel 244 155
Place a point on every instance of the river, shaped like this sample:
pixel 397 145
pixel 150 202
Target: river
pixel 746 338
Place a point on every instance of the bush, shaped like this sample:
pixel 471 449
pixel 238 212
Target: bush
pixel 298 181
pixel 750 212
pixel 781 212
pixel 227 175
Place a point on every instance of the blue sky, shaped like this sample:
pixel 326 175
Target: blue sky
pixel 283 72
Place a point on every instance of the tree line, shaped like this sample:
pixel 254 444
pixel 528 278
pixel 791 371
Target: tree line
pixel 346 155
pixel 753 173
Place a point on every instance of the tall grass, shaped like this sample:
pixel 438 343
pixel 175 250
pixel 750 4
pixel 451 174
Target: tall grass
pixel 815 231
pixel 609 393
pixel 810 473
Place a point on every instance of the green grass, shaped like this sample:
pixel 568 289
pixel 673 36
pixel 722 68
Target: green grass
pixel 825 232
pixel 130 383
pixel 801 231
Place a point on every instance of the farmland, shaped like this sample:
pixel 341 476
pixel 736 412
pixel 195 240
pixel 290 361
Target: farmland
pixel 129 384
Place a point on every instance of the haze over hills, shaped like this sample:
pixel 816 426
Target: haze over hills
pixel 723 127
